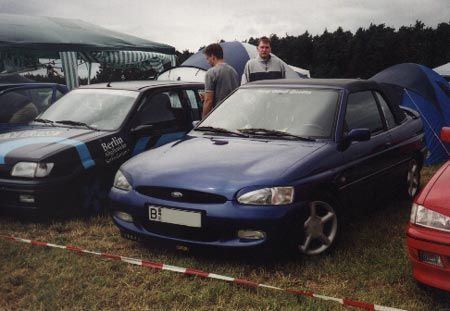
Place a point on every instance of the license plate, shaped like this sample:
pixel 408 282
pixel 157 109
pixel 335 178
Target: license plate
pixel 175 216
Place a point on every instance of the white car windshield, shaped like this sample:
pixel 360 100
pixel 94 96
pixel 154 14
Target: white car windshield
pixel 306 113
pixel 96 108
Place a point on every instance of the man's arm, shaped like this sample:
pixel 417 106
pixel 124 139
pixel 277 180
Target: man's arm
pixel 208 103
pixel 245 75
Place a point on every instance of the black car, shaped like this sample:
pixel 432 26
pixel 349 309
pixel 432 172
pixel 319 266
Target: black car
pixel 71 152
pixel 22 102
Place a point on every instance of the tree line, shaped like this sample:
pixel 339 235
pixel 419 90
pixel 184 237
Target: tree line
pixel 339 54
pixel 342 54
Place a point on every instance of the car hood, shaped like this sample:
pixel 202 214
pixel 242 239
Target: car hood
pixel 33 143
pixel 438 196
pixel 217 165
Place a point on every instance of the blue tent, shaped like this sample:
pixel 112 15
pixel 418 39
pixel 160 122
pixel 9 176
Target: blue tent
pixel 420 88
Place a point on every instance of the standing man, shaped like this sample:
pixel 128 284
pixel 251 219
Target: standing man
pixel 264 66
pixel 220 80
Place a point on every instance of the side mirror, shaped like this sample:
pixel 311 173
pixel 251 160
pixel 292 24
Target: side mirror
pixel 361 134
pixel 445 134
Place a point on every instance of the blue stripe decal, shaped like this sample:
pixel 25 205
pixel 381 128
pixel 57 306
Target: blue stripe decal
pixel 83 151
pixel 167 138
pixel 140 145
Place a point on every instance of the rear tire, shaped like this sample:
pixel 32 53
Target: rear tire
pixel 412 182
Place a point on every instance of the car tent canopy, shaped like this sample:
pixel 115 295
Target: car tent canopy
pixel 25 39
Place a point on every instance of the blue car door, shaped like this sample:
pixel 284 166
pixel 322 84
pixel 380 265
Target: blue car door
pixel 367 162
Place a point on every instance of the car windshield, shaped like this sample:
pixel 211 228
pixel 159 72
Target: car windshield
pixel 93 108
pixel 305 113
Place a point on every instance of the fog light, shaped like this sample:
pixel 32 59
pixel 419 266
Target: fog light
pixel 26 198
pixel 430 258
pixel 251 234
pixel 123 216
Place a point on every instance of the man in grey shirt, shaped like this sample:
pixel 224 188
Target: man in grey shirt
pixel 264 66
pixel 220 80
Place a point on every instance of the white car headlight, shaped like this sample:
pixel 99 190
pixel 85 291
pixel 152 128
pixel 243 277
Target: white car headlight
pixel 31 169
pixel 268 196
pixel 121 182
pixel 422 216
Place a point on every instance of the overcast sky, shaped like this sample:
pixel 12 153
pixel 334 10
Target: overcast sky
pixel 190 24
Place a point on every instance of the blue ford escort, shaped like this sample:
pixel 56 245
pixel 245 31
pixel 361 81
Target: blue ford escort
pixel 276 162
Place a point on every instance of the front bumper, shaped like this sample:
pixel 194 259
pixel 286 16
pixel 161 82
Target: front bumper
pixel 220 222
pixel 421 239
pixel 41 193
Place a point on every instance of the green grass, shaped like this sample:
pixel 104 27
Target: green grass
pixel 369 264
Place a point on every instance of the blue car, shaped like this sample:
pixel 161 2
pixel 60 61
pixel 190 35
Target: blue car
pixel 277 162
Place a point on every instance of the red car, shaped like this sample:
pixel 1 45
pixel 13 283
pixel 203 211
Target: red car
pixel 428 234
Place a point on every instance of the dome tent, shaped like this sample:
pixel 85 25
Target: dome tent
pixel 422 89
pixel 235 53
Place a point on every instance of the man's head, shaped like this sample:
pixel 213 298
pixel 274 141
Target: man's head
pixel 264 48
pixel 213 53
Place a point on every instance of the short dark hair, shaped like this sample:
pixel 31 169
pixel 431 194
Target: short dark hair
pixel 264 39
pixel 214 49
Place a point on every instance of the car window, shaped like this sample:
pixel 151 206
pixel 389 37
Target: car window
pixel 390 120
pixel 303 112
pixel 103 109
pixel 362 112
pixel 161 107
pixel 194 103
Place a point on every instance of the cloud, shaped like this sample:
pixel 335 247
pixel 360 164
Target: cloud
pixel 195 23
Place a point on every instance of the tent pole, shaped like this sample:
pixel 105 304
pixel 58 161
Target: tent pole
pixel 89 65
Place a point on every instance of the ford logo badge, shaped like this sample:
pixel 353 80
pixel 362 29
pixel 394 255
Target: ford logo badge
pixel 176 195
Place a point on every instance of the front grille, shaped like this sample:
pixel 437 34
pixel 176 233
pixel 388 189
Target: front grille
pixel 188 196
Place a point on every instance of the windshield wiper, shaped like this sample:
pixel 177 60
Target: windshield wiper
pixel 273 133
pixel 43 121
pixel 218 130
pixel 77 123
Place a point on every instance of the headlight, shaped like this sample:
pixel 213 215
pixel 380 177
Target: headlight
pixel 268 196
pixel 31 169
pixel 420 215
pixel 121 182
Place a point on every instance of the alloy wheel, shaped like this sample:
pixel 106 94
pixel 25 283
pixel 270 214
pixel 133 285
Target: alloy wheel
pixel 413 178
pixel 320 228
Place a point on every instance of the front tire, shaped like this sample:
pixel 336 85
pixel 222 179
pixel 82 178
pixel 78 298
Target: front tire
pixel 319 228
pixel 94 197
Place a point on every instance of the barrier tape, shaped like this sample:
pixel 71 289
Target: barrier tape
pixel 203 274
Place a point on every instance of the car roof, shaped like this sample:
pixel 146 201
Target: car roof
pixel 349 84
pixel 139 85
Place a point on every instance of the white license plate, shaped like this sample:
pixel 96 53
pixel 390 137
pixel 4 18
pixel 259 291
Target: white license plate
pixel 175 216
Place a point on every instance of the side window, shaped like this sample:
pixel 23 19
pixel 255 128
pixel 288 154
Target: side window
pixel 390 120
pixel 362 112
pixel 162 107
pixel 40 97
pixel 195 104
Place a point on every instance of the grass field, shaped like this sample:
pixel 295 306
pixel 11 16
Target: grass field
pixel 369 264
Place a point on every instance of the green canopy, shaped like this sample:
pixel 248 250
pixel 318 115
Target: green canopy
pixel 53 34
pixel 25 39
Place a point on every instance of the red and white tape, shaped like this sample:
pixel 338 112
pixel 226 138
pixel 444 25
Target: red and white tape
pixel 188 271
